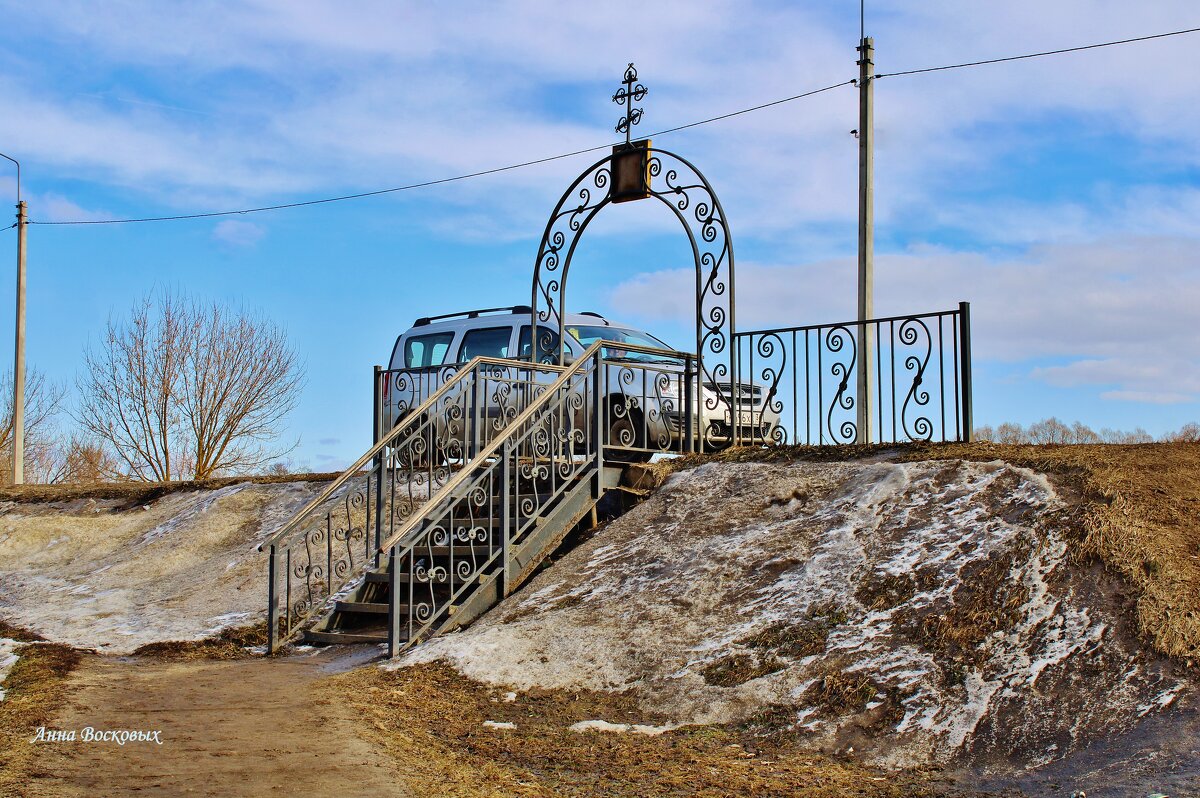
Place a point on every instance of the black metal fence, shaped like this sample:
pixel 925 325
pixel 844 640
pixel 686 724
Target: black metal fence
pixel 918 380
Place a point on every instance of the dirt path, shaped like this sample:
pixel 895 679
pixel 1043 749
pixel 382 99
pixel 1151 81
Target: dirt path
pixel 241 728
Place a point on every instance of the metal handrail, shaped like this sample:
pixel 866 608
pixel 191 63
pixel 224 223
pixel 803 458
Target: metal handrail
pixel 855 323
pixel 493 447
pixel 388 440
pixel 632 347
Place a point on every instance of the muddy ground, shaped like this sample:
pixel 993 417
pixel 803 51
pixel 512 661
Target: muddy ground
pixel 308 723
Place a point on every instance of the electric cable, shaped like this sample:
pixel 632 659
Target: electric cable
pixel 548 159
pixel 1036 55
pixel 439 181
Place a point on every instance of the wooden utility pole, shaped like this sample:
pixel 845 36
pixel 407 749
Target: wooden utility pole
pixel 18 465
pixel 866 235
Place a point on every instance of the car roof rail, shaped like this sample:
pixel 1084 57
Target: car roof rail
pixel 471 314
pixel 596 315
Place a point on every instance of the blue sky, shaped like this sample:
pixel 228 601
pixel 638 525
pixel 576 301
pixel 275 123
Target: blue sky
pixel 1061 196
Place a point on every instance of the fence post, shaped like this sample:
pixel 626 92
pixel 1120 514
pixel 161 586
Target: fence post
pixel 272 606
pixel 600 390
pixel 689 416
pixel 393 604
pixel 506 515
pixel 964 311
pixel 376 436
pixel 477 431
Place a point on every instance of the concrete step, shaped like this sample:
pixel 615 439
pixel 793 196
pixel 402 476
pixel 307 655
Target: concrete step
pixel 334 636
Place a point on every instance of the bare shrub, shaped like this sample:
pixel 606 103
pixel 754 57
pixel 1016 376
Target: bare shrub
pixel 1049 431
pixel 1080 433
pixel 1053 431
pixel 1010 434
pixel 1137 435
pixel 188 390
pixel 1188 433
pixel 83 461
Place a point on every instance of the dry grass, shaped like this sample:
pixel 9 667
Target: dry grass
pixel 135 493
pixel 228 644
pixel 740 668
pixel 1135 509
pixel 18 633
pixel 430 719
pixel 986 601
pixel 34 689
pixel 793 641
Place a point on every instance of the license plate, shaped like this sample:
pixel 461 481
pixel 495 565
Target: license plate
pixel 745 417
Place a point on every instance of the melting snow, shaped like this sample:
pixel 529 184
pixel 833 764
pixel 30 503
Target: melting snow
pixel 725 551
pixel 185 567
pixel 605 726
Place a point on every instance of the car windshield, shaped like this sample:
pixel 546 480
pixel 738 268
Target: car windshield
pixel 588 335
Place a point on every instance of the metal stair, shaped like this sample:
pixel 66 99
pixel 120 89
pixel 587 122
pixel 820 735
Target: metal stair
pixel 428 544
pixel 363 616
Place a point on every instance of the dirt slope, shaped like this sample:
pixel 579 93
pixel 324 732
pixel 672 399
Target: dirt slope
pixel 926 612
pixel 101 573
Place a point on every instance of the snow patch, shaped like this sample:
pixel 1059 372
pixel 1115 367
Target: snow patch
pixel 893 552
pixel 636 728
pixel 92 575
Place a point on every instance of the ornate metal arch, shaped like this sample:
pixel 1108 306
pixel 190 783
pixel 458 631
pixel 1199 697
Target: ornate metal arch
pixel 680 186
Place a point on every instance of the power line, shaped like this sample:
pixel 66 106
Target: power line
pixel 753 108
pixel 1037 55
pixel 548 159
pixel 443 180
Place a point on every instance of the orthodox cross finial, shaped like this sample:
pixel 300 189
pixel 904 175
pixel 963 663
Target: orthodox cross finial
pixel 631 92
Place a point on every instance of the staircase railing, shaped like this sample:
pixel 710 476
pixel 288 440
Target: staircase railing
pixel 324 547
pixel 556 442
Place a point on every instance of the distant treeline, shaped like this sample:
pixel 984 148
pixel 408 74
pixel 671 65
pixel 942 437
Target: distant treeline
pixel 1051 430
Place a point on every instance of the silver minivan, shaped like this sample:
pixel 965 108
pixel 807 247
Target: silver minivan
pixel 644 402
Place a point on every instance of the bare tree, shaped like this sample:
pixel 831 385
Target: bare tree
pixel 1051 430
pixel 1010 433
pixel 241 379
pixel 185 390
pixel 43 400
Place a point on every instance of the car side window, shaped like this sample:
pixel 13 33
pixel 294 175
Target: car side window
pixel 427 350
pixel 486 342
pixel 547 344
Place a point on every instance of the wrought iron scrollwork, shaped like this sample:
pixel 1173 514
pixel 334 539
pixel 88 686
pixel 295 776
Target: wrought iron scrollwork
pixel 681 187
pixel 836 339
pixel 916 396
pixel 919 378
pixel 443 417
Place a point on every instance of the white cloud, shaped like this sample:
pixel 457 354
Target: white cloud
pixel 383 93
pixel 1120 311
pixel 238 233
pixel 1149 397
pixel 53 207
